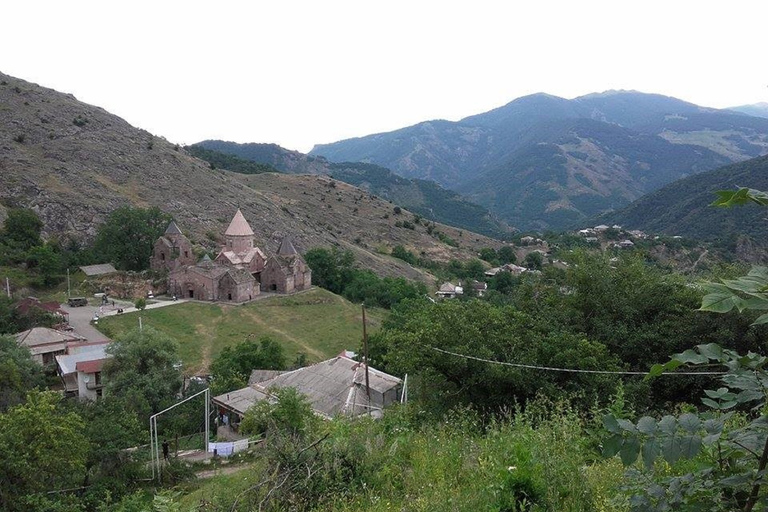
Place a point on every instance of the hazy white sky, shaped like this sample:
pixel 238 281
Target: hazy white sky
pixel 299 73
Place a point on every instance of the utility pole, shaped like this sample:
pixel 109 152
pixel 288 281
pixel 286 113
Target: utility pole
pixel 69 289
pixel 140 326
pixel 8 287
pixel 365 358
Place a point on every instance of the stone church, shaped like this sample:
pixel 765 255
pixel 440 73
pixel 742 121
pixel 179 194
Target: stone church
pixel 238 273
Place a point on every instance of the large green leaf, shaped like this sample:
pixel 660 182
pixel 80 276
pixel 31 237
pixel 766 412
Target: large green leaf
pixel 647 425
pixel 690 422
pixel 610 423
pixel 629 451
pixel 668 424
pixel 671 449
pixel 651 450
pixel 690 446
pixel 720 302
pixel 612 445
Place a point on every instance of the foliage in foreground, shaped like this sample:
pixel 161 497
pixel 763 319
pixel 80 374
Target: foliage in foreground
pixel 535 460
pixel 728 445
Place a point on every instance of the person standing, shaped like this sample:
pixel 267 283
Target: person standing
pixel 166 447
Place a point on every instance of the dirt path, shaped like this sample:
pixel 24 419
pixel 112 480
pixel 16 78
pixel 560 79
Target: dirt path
pixel 310 350
pixel 208 332
pixel 226 470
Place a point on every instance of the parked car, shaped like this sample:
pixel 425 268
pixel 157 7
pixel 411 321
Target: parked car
pixel 77 301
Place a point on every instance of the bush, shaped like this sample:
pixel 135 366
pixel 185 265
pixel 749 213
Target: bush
pixel 141 304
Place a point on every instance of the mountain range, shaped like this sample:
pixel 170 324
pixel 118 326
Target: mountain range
pixel 684 208
pixel 424 197
pixel 74 163
pixel 544 162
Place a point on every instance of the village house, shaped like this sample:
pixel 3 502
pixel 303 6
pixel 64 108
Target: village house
pixel 45 344
pixel 335 387
pixel 80 369
pixel 449 290
pixel 515 270
pixel 239 272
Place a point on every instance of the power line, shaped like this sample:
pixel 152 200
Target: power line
pixel 566 370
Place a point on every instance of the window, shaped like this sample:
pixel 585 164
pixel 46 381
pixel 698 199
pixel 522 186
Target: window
pixel 186 254
pixel 162 256
pixel 97 379
pixel 229 296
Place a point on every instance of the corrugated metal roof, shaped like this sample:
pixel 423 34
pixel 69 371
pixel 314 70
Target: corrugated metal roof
pixel 97 270
pixel 43 336
pixel 239 226
pixel 262 375
pixel 333 387
pixel 240 400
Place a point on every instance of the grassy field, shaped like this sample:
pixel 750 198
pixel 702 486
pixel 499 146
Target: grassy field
pixel 317 323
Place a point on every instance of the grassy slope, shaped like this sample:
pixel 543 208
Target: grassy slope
pixel 317 323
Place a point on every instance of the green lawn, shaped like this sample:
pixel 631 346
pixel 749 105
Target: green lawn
pixel 317 323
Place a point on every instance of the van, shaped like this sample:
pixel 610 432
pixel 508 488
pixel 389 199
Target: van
pixel 77 301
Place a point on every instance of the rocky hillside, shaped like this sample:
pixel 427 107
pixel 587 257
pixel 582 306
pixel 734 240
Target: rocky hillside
pixel 546 162
pixel 74 163
pixel 424 197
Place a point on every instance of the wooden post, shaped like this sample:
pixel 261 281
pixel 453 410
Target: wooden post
pixel 365 358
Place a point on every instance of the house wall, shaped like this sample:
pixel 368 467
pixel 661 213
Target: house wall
pixel 83 392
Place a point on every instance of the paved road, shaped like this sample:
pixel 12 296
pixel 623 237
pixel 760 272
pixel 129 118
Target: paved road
pixel 80 319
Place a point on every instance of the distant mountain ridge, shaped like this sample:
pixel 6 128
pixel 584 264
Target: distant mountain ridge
pixel 544 162
pixel 755 109
pixel 683 207
pixel 423 197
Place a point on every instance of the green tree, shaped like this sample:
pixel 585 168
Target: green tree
pixel 127 236
pixel 331 268
pixel 18 373
pixel 233 366
pixel 46 262
pixel 143 370
pixel 22 228
pixel 140 304
pixel 533 260
pixel 43 449
pixel 290 413
pixel 490 255
pixel 404 254
pixel 507 255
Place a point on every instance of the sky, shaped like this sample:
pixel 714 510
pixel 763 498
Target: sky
pixel 300 73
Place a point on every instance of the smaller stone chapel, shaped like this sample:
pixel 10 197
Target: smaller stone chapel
pixel 238 273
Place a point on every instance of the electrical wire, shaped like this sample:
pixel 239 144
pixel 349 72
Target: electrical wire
pixel 566 370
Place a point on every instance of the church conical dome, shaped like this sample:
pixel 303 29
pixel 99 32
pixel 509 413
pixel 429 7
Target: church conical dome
pixel 239 226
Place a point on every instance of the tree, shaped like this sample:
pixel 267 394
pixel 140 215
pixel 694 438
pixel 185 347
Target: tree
pixel 22 228
pixel 507 255
pixel 140 304
pixel 533 260
pixel 44 449
pixel 128 235
pixel 290 413
pixel 18 373
pixel 233 366
pixel 47 262
pixel 490 255
pixel 331 268
pixel 143 370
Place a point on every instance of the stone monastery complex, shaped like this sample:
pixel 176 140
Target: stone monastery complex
pixel 239 272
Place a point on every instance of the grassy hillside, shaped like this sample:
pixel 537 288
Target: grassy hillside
pixel 316 323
